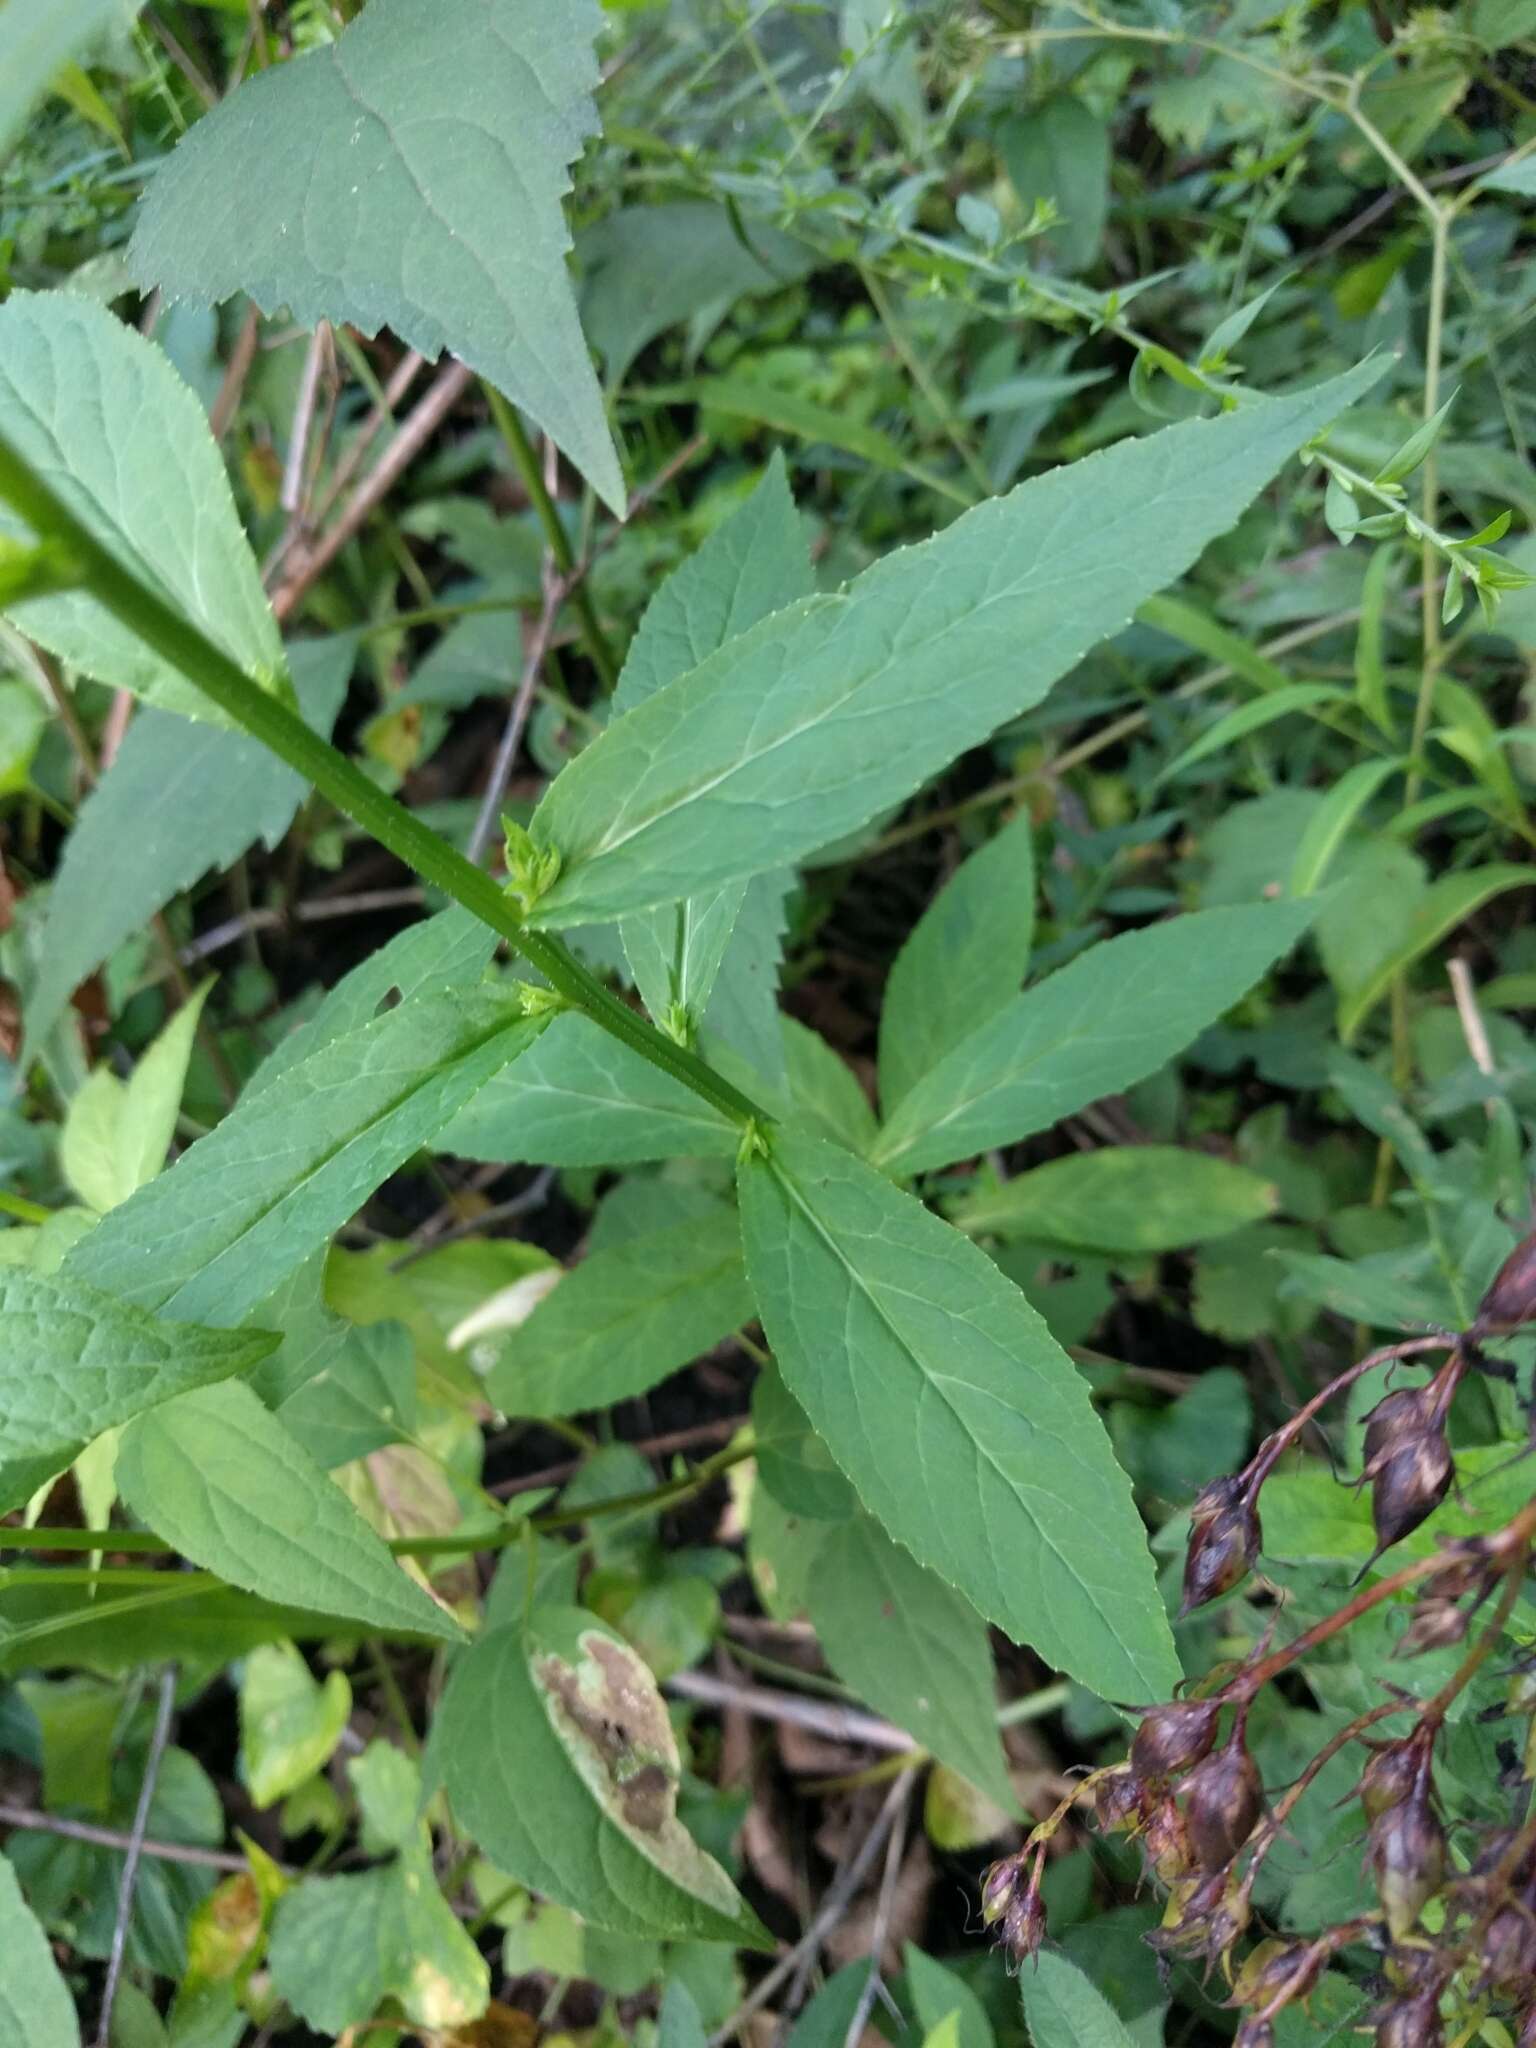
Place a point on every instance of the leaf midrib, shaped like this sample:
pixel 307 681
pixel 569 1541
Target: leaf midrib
pixel 983 1455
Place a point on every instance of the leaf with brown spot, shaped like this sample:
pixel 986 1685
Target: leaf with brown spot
pixel 559 1757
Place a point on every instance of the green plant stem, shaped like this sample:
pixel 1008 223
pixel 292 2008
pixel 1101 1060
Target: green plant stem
pixel 22 1210
pixel 269 720
pixel 1428 504
pixel 525 460
pixel 127 1542
pixel 141 1542
pixel 953 430
pixel 19 1580
pixel 394 1698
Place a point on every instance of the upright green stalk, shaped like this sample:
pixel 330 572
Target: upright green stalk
pixel 220 679
pixel 1430 488
pixel 526 461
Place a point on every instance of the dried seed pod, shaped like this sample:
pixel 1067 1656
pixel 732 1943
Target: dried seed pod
pixel 1277 1974
pixel 1224 1539
pixel 1409 1485
pixel 1172 1738
pixel 1510 1302
pixel 1465 1567
pixel 1224 1798
pixel 1509 1951
pixel 1436 1624
pixel 1166 1845
pixel 1204 1919
pixel 1024 1921
pixel 1411 2023
pixel 1118 1802
pixel 1526 2038
pixel 999 1886
pixel 1395 1420
pixel 1254 2034
pixel 1390 1776
pixel 1406 1854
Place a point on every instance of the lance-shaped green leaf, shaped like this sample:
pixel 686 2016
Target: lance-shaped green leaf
pixel 1105 1021
pixel 35 2005
pixel 752 565
pixel 1129 1198
pixel 98 411
pixel 37 40
pixel 218 1475
pixel 441 952
pixel 245 1205
pixel 912 1647
pixel 176 801
pixel 75 1362
pixel 1065 2010
pixel 964 1427
pixel 582 1099
pixel 962 960
pixel 116 1133
pixel 625 1318
pixel 1444 905
pixel 810 724
pixel 558 1754
pixel 410 174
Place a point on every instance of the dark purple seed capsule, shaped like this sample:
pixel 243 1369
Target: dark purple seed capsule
pixel 1409 1485
pixel 1411 2023
pixel 1224 1540
pixel 1406 1853
pixel 1224 1798
pixel 1510 1302
pixel 1389 1778
pixel 1172 1738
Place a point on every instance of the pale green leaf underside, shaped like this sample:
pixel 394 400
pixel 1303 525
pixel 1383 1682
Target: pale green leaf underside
pixel 75 1362
pixel 963 1426
pixel 35 2005
pixel 219 1476
pixel 215 1235
pixel 625 1318
pixel 912 1647
pixel 579 1098
pixel 541 1813
pixel 409 175
pixel 185 799
pixel 821 716
pixel 103 418
pixel 1103 1022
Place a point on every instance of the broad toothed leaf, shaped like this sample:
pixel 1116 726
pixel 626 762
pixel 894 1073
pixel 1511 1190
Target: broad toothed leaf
pixel 409 175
